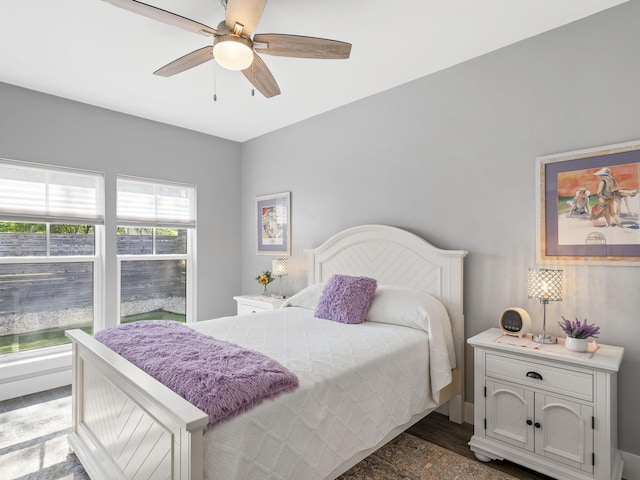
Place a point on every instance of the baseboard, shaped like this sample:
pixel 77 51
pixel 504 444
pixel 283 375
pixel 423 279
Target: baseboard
pixel 468 413
pixel 631 469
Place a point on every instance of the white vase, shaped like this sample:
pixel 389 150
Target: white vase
pixel 577 344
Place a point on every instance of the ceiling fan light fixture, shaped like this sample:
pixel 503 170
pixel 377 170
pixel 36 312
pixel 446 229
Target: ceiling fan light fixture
pixel 233 52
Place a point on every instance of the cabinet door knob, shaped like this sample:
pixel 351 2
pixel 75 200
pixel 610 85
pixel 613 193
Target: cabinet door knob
pixel 529 422
pixel 537 425
pixel 535 375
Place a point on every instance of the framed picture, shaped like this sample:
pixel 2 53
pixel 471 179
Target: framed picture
pixel 588 207
pixel 273 224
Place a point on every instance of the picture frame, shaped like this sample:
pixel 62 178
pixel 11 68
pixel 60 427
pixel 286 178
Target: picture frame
pixel 273 224
pixel 588 206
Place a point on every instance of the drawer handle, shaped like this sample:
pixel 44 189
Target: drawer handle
pixel 537 425
pixel 535 375
pixel 529 422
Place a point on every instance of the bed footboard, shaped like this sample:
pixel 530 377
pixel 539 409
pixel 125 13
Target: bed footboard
pixel 127 425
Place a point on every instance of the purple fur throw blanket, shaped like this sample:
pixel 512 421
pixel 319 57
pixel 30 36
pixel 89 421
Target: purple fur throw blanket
pixel 220 378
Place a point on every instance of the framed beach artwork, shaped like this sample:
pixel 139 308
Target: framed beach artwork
pixel 273 224
pixel 588 207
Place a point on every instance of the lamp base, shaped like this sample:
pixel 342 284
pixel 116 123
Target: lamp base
pixel 279 297
pixel 540 338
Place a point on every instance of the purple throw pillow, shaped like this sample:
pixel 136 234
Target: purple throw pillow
pixel 346 299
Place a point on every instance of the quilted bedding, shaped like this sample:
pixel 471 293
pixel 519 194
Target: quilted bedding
pixel 357 382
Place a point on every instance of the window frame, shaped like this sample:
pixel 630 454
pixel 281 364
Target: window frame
pixel 185 219
pixel 48 205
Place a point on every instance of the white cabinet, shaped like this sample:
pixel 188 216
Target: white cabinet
pixel 561 428
pixel 256 303
pixel 546 408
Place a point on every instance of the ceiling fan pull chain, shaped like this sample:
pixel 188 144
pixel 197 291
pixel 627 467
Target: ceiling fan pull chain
pixel 253 90
pixel 215 83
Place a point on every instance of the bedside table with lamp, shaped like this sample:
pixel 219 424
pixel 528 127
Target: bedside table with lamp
pixel 256 303
pixel 261 303
pixel 540 405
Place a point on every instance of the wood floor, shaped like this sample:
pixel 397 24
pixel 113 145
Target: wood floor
pixel 437 428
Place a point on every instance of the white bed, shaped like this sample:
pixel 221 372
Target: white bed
pixel 127 425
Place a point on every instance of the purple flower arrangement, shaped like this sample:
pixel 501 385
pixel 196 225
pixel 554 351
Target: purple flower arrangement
pixel 579 330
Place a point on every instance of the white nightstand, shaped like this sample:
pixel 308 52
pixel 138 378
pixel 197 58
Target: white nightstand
pixel 547 409
pixel 257 303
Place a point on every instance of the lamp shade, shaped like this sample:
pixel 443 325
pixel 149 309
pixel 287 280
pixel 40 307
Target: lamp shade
pixel 279 267
pixel 545 284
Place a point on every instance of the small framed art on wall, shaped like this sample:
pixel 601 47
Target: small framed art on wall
pixel 273 224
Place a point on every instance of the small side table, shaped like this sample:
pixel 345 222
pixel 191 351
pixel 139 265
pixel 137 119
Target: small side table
pixel 546 408
pixel 257 303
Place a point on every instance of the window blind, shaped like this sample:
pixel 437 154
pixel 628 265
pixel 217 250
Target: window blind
pixel 151 203
pixel 41 193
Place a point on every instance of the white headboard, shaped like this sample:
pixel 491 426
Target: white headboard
pixel 396 257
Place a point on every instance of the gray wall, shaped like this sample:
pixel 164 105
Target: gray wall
pixel 450 157
pixel 41 128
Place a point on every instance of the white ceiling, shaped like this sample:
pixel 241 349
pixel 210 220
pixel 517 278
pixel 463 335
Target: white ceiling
pixel 93 52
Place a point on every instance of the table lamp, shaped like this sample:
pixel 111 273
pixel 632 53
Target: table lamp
pixel 279 269
pixel 545 285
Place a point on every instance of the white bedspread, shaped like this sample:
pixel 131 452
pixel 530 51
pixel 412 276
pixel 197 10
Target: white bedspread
pixel 357 382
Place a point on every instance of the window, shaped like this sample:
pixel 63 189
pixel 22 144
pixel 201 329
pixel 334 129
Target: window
pixel 155 239
pixel 50 236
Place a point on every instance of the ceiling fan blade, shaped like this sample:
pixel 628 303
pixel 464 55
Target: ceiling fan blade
pixel 300 47
pixel 261 78
pixel 164 16
pixel 245 12
pixel 190 60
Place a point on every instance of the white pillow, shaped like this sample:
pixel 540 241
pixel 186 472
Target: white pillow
pixel 306 298
pixel 414 309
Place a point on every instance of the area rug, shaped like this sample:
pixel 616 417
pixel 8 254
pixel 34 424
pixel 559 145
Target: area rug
pixel 33 445
pixel 407 457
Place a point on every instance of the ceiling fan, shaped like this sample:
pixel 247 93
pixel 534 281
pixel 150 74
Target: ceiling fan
pixel 234 48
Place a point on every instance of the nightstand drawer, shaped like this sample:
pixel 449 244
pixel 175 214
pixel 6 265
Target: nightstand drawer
pixel 244 309
pixel 256 303
pixel 541 376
